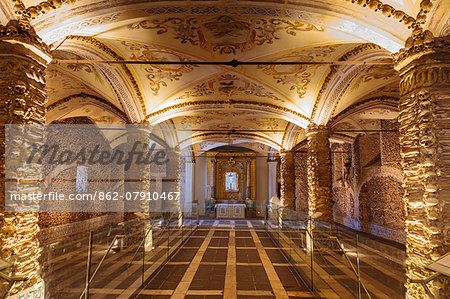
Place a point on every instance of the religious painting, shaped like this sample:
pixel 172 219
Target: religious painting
pixel 232 175
pixel 231 181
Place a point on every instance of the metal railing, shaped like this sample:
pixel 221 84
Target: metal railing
pixel 321 251
pixel 126 254
pixel 167 231
pixel 89 277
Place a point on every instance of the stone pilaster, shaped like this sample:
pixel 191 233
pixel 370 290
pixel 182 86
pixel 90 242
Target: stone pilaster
pixel 287 179
pixel 272 165
pixel 213 179
pixel 424 117
pixel 319 172
pixel 23 60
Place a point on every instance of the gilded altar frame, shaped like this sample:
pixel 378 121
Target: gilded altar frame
pixel 219 164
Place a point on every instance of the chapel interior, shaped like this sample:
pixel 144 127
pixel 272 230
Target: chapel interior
pixel 309 143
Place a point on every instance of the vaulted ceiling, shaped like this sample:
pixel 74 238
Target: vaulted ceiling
pixel 269 105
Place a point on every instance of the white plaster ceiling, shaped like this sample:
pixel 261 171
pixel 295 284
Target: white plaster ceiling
pixel 325 30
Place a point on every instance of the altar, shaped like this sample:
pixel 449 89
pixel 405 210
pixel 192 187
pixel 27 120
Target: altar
pixel 230 210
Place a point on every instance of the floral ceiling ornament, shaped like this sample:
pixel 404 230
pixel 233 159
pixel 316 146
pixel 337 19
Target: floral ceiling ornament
pixel 230 85
pixel 225 34
pixel 61 82
pixel 158 75
pixel 78 67
pixel 375 72
pixel 268 123
pixel 228 114
pixel 298 76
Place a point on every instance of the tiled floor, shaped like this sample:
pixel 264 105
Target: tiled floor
pixel 220 259
pixel 226 259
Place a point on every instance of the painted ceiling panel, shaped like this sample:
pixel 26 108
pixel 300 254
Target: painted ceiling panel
pixel 158 82
pixel 299 30
pixel 367 82
pixel 60 85
pixel 89 74
pixel 227 37
pixel 235 120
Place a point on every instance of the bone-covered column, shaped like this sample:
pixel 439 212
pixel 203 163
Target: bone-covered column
pixel 287 179
pixel 319 173
pixel 424 117
pixel 23 60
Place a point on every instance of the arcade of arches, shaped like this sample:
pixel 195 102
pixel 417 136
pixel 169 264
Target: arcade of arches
pixel 357 133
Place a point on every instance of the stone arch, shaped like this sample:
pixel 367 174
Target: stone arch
pixel 381 203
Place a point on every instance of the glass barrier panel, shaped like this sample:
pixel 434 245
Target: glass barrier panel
pixel 382 263
pixel 63 266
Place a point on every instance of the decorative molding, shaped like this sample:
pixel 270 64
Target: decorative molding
pixel 214 104
pixel 333 70
pixel 425 8
pixel 106 49
pixel 237 135
pixel 32 12
pixel 376 102
pixel 426 77
pixel 419 44
pixel 422 49
pixel 76 28
pixel 388 11
pixel 102 102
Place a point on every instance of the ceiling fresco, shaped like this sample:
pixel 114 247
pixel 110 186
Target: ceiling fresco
pixel 88 75
pixel 268 127
pixel 271 105
pixel 60 85
pixel 371 79
pixel 230 85
pixel 224 34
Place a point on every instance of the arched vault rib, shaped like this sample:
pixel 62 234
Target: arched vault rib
pixel 76 101
pixel 204 105
pixel 385 102
pixel 120 77
pixel 291 135
pixel 340 77
pixel 225 137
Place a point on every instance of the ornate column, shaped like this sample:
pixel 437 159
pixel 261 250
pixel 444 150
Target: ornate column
pixel 137 179
pixel 212 177
pixel 23 60
pixel 138 174
pixel 287 179
pixel 272 164
pixel 424 117
pixel 189 180
pixel 172 182
pixel 319 172
pixel 248 179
